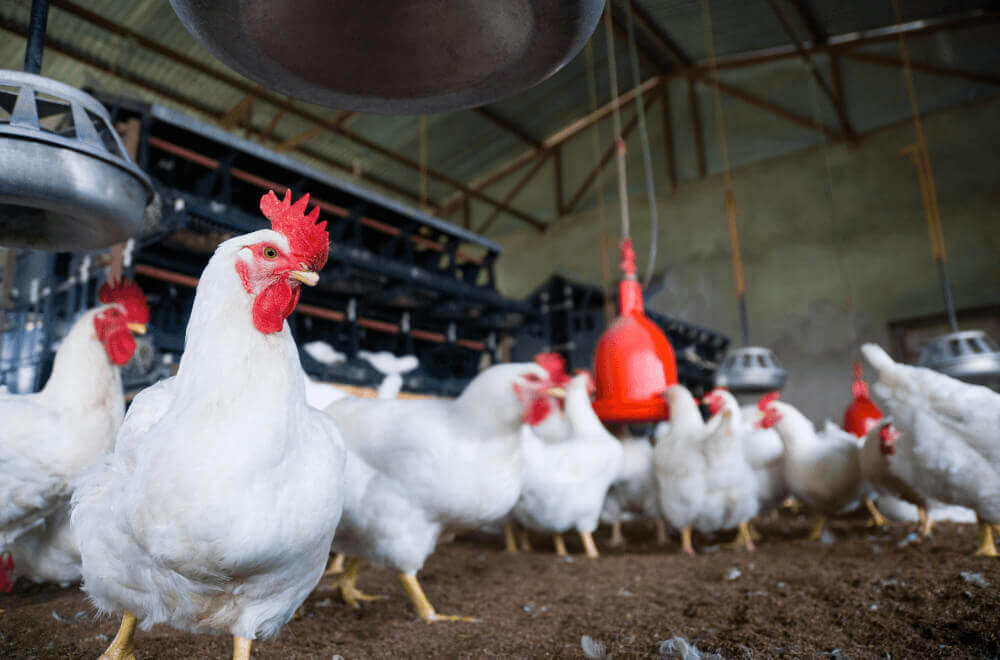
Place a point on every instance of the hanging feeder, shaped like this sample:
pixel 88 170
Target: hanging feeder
pixel 969 355
pixel 393 57
pixel 751 370
pixel 633 362
pixel 862 412
pixel 66 182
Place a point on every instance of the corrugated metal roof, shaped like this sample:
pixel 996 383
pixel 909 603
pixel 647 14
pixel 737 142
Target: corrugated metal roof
pixel 466 146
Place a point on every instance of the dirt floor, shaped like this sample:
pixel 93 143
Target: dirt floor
pixel 869 594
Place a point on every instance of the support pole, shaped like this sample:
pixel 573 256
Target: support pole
pixel 36 36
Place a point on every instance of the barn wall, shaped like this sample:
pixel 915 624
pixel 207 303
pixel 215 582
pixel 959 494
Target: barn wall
pixel 823 262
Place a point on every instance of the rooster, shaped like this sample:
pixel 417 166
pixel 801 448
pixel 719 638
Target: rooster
pixel 49 438
pixel 947 448
pixel 565 480
pixel 215 511
pixel 821 469
pixel 419 468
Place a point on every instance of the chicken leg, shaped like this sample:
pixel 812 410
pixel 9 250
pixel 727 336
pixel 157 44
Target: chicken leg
pixel 926 524
pixel 589 547
pixel 686 546
pixel 661 531
pixel 986 546
pixel 617 539
pixel 817 529
pixel 122 646
pixel 347 581
pixel 241 648
pixel 423 606
pixel 509 542
pixel 335 566
pixel 525 540
pixel 560 544
pixel 877 519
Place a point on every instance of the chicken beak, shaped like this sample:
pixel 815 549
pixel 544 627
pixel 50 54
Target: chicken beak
pixel 307 277
pixel 557 392
pixel 137 328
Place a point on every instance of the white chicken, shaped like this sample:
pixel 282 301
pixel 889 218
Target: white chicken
pixel 890 475
pixel 217 507
pixel 949 443
pixel 49 438
pixel 634 493
pixel 762 449
pixel 821 469
pixel 565 481
pixel 730 485
pixel 679 464
pixel 419 468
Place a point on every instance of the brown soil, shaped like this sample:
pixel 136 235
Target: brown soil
pixel 863 596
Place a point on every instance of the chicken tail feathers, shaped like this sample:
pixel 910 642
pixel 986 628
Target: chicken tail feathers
pixel 877 357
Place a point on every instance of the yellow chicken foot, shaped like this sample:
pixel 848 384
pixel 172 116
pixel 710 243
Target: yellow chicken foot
pixel 986 546
pixel 661 531
pixel 509 542
pixel 755 536
pixel 926 524
pixel 335 566
pixel 686 546
pixel 744 538
pixel 817 529
pixel 792 505
pixel 557 539
pixel 347 581
pixel 877 519
pixel 122 647
pixel 423 606
pixel 617 539
pixel 525 540
pixel 589 547
pixel 241 648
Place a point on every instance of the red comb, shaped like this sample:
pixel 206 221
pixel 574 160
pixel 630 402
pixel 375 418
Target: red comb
pixel 859 388
pixel 555 365
pixel 767 400
pixel 127 294
pixel 307 238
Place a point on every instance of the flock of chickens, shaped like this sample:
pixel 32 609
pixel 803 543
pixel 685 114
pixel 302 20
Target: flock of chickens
pixel 215 503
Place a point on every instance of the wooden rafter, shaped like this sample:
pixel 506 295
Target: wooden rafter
pixel 507 125
pixel 924 67
pixel 239 114
pixel 516 190
pixel 660 36
pixel 764 104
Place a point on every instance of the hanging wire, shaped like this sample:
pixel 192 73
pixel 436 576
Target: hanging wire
pixel 727 179
pixel 609 38
pixel 647 158
pixel 595 140
pixel 423 161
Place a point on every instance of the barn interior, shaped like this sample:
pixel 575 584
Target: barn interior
pixel 790 180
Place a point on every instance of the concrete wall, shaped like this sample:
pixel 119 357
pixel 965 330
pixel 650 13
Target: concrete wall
pixel 834 246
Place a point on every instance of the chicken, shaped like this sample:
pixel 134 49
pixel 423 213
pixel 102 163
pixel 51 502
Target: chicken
pixel 889 474
pixel 217 507
pixel 821 469
pixel 948 446
pixel 419 468
pixel 761 447
pixel 730 485
pixel 634 492
pixel 49 438
pixel 565 481
pixel 679 464
pixel 861 414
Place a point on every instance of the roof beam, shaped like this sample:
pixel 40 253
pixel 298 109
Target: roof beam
pixel 924 67
pixel 837 103
pixel 810 20
pixel 764 104
pixel 660 37
pixel 114 71
pixel 516 190
pixel 621 31
pixel 281 103
pixel 507 125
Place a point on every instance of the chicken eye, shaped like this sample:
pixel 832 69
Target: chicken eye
pixel 269 252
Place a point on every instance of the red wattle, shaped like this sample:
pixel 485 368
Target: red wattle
pixel 273 305
pixel 120 345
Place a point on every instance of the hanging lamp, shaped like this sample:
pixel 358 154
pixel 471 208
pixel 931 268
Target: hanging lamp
pixel 633 361
pixel 862 412
pixel 66 181
pixel 748 369
pixel 971 355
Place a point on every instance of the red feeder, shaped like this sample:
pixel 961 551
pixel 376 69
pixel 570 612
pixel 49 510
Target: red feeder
pixel 633 363
pixel 862 413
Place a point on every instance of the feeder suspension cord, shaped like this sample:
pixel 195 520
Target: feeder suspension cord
pixel 422 130
pixel 595 141
pixel 609 38
pixel 921 157
pixel 647 158
pixel 727 179
pixel 36 36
